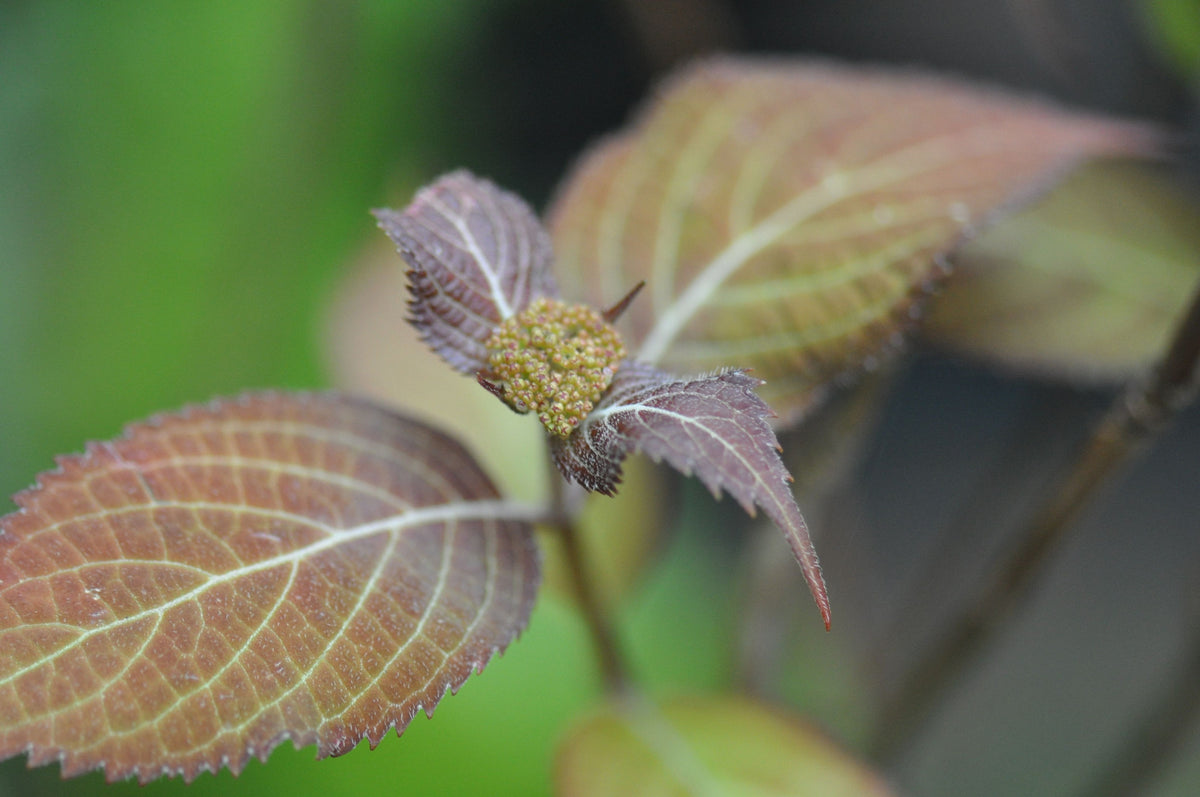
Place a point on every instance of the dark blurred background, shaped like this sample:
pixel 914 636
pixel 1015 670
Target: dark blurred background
pixel 184 185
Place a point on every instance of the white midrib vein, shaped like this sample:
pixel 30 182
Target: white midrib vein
pixel 685 420
pixel 303 679
pixel 470 510
pixel 485 266
pixel 744 247
pixel 836 186
pixel 786 514
pixel 710 133
pixel 678 758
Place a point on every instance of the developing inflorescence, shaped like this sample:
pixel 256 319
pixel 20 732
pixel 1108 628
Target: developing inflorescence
pixel 555 359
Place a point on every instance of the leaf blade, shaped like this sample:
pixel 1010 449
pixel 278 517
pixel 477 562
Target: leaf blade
pixel 704 745
pixel 1050 291
pixel 476 254
pixel 302 567
pixel 791 217
pixel 714 427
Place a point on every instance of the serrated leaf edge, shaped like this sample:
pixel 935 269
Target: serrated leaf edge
pixel 499 510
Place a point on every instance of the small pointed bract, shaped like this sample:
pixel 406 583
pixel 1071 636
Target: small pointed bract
pixel 476 255
pixel 715 427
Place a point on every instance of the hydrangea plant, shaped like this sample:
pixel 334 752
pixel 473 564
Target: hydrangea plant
pixel 316 568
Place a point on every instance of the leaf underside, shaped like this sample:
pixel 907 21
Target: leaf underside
pixel 705 745
pixel 715 427
pixel 789 217
pixel 304 567
pixel 476 254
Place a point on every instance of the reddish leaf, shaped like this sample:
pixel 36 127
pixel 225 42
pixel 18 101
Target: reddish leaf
pixel 303 567
pixel 714 426
pixel 477 255
pixel 788 216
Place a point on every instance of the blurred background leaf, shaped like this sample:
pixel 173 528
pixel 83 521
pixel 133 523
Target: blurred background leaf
pixel 718 745
pixel 1087 284
pixel 1175 28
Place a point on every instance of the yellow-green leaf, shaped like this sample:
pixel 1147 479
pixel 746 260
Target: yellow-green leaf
pixel 788 216
pixel 1087 283
pixel 705 746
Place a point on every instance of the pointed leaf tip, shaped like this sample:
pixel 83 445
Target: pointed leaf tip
pixel 477 254
pixel 304 567
pixel 714 427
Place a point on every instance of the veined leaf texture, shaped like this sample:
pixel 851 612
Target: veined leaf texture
pixel 281 566
pixel 715 427
pixel 789 217
pixel 476 255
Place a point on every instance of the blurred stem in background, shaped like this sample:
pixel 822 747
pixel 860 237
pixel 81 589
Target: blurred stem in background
pixel 1138 415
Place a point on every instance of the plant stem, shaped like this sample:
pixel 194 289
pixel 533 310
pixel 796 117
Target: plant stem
pixel 1137 415
pixel 604 637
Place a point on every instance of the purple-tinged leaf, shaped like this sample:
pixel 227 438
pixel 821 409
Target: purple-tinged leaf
pixel 303 567
pixel 477 255
pixel 791 216
pixel 715 427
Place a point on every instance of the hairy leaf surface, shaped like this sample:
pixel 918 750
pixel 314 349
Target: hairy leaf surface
pixel 476 254
pixel 789 216
pixel 304 567
pixel 1088 283
pixel 715 427
pixel 705 745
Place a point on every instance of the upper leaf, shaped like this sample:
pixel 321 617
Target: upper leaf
pixel 477 255
pixel 304 567
pixel 713 426
pixel 705 745
pixel 788 216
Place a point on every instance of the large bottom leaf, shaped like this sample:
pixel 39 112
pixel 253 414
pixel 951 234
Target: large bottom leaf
pixel 304 567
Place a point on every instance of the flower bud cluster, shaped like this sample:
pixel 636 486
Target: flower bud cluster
pixel 555 359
